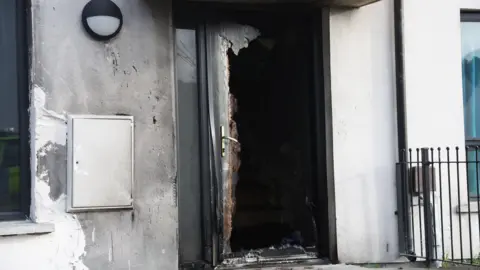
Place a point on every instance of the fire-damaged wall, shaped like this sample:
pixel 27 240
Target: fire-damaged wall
pixel 72 74
pixel 133 73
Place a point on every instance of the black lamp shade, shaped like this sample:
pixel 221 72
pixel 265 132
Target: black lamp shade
pixel 102 19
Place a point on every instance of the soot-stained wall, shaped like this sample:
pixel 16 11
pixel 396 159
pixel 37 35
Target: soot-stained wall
pixel 72 74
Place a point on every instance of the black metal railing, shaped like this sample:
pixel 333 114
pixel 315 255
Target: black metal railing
pixel 438 205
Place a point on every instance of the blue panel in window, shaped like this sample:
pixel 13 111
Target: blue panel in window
pixel 471 97
pixel 473 169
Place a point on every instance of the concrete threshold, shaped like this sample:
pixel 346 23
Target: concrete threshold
pixel 347 267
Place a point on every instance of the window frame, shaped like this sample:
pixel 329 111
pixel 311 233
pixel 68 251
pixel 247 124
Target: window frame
pixel 470 16
pixel 23 41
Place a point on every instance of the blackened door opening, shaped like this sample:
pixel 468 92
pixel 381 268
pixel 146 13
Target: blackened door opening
pixel 268 193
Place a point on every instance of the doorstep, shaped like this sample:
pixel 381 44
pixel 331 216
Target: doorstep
pixel 304 267
pixel 311 267
pixel 413 266
pixel 294 267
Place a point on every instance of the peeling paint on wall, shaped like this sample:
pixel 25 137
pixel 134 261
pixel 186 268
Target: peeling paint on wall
pixel 48 145
pixel 49 156
pixel 70 73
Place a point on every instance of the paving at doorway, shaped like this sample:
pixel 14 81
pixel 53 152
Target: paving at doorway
pixel 348 267
pixel 354 267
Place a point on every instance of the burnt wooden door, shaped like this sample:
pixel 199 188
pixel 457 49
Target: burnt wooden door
pixel 215 176
pixel 222 38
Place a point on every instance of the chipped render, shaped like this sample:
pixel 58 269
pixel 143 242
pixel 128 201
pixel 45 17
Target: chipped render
pixel 48 129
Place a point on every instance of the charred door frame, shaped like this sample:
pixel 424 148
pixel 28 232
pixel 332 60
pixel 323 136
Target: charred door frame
pixel 200 15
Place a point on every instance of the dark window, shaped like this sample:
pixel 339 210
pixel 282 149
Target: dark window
pixel 470 29
pixel 14 139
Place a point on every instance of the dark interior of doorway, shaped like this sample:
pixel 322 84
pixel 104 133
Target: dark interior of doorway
pixel 278 192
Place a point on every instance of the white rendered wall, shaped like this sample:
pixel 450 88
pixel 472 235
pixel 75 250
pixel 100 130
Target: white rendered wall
pixel 433 90
pixel 435 108
pixel 364 132
pixel 364 119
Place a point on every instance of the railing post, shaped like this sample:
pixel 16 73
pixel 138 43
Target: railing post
pixel 428 215
pixel 403 205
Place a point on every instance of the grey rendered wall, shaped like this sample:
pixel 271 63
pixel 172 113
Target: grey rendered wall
pixel 132 74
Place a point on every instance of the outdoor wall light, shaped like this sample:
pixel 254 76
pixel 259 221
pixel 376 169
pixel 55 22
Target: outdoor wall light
pixel 102 19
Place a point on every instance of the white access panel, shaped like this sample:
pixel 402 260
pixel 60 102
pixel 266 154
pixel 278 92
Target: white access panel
pixel 100 162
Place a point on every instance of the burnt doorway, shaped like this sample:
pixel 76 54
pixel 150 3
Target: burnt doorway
pixel 267 132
